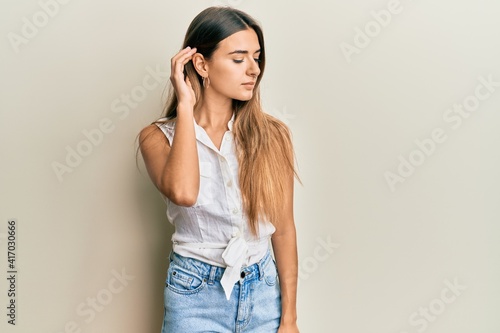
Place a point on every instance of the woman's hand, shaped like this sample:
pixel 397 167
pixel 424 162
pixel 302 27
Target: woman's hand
pixel 288 328
pixel 182 86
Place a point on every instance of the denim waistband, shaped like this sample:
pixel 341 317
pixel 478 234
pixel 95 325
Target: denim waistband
pixel 214 273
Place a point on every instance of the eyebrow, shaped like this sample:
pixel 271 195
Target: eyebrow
pixel 243 51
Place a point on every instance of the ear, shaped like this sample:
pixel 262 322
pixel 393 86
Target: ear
pixel 200 64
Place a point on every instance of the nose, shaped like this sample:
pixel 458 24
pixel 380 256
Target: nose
pixel 254 69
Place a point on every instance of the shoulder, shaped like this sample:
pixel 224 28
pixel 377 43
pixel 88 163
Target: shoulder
pixel 278 127
pixel 148 131
pixel 282 135
pixel 165 122
pixel 157 131
pixel 150 136
pixel 154 130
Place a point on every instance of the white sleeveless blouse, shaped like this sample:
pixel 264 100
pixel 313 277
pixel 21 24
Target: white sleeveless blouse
pixel 215 229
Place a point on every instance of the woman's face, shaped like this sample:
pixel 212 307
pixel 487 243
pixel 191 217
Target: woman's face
pixel 234 66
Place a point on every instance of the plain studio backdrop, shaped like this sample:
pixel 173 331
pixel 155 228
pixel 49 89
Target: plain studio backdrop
pixel 394 108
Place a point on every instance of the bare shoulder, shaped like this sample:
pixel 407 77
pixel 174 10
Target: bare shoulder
pixel 149 130
pixel 152 136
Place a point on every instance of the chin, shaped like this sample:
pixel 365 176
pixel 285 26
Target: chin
pixel 243 97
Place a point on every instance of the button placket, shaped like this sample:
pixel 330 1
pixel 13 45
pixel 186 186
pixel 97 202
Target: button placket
pixel 229 173
pixel 226 173
pixel 231 196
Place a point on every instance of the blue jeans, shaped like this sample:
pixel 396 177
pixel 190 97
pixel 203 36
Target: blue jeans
pixel 195 301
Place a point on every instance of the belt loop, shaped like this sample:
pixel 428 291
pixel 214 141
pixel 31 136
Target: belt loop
pixel 171 255
pixel 211 277
pixel 262 263
pixel 261 271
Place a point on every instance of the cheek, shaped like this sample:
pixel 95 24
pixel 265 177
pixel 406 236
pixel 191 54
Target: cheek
pixel 231 73
pixel 227 78
pixel 228 70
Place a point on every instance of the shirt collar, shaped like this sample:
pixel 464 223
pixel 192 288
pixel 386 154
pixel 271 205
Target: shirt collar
pixel 231 121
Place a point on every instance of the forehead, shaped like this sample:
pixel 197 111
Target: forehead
pixel 246 40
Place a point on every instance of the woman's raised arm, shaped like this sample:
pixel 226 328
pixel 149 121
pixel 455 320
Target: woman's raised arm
pixel 175 169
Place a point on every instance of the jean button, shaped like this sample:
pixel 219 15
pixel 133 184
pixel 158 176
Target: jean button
pixel 242 275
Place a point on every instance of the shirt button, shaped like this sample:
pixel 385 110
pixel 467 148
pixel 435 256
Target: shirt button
pixel 229 183
pixel 228 138
pixel 235 211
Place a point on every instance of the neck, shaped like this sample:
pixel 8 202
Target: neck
pixel 214 113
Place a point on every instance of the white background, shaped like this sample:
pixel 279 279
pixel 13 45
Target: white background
pixel 372 258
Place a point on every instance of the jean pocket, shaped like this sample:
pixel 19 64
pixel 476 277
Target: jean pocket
pixel 183 281
pixel 271 273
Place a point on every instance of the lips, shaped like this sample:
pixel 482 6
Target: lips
pixel 249 84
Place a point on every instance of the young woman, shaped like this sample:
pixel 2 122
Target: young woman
pixel 226 170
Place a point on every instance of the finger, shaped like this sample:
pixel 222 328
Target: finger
pixel 181 62
pixel 182 58
pixel 181 53
pixel 188 57
pixel 175 59
pixel 188 82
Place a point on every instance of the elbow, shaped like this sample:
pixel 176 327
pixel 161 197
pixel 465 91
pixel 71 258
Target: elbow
pixel 184 200
pixel 180 198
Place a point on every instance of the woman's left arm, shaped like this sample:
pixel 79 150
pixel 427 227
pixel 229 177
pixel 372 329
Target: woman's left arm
pixel 284 242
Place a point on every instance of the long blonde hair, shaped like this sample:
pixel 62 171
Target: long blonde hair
pixel 263 143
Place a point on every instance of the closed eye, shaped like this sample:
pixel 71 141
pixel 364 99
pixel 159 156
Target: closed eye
pixel 238 61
